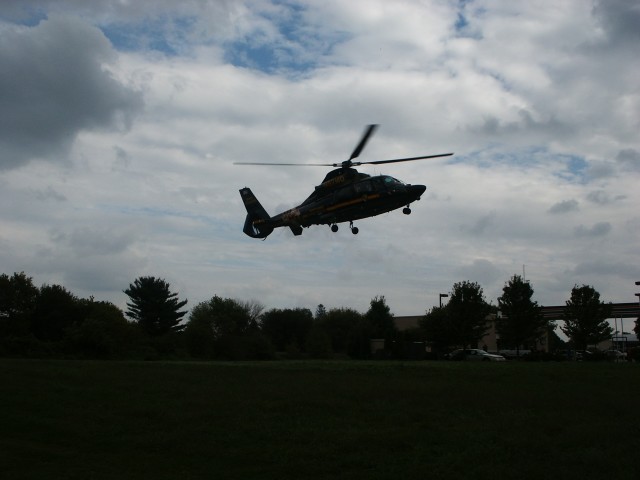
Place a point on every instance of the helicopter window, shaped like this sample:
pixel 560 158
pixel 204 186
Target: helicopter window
pixel 363 187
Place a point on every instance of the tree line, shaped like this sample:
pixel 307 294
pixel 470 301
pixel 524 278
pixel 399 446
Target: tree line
pixel 50 321
pixel 519 321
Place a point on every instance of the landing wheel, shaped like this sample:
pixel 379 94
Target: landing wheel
pixel 354 230
pixel 406 210
pixel 334 228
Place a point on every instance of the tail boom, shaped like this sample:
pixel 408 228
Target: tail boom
pixel 258 223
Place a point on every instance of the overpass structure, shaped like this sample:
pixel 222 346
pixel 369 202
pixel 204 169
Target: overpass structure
pixel 619 310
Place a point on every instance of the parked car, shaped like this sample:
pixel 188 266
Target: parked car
pixel 514 354
pixel 616 355
pixel 475 354
pixel 576 355
pixel 567 354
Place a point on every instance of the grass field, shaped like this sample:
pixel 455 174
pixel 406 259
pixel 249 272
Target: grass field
pixel 345 420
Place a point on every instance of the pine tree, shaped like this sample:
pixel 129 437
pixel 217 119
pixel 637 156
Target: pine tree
pixel 154 307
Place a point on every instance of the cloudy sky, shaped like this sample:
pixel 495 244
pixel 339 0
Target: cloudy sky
pixel 120 122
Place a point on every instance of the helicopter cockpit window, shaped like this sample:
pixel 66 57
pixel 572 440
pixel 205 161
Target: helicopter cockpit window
pixel 392 181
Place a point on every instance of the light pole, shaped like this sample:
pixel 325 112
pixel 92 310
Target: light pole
pixel 443 295
pixel 638 319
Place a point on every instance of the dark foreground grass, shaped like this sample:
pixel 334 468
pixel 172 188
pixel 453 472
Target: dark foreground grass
pixel 280 420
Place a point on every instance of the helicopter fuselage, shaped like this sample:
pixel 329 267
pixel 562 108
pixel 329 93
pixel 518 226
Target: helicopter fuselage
pixel 345 195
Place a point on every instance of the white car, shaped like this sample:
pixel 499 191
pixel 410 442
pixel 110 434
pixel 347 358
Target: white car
pixel 476 354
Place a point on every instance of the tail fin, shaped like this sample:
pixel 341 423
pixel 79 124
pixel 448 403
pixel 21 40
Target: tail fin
pixel 257 224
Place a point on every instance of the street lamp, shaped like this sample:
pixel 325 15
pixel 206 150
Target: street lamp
pixel 638 295
pixel 443 295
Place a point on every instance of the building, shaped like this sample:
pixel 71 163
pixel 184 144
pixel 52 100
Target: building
pixel 490 341
pixel 620 341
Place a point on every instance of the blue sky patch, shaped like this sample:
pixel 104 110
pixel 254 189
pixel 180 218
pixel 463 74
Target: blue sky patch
pixel 159 34
pixel 576 168
pixel 33 20
pixel 266 58
pixel 463 28
pixel 297 46
pixel 571 168
pixel 461 22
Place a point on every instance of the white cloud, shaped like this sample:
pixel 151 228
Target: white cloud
pixel 601 197
pixel 597 230
pixel 55 83
pixel 545 173
pixel 565 206
pixel 629 159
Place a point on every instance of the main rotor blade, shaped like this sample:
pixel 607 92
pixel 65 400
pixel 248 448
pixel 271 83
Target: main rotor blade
pixel 348 163
pixel 363 141
pixel 395 160
pixel 289 164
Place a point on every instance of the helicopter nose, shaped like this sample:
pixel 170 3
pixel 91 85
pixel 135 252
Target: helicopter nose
pixel 417 190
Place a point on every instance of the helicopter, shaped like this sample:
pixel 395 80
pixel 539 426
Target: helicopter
pixel 345 195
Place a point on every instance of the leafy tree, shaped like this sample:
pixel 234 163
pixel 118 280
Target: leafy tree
pixel 55 311
pixel 154 306
pixel 318 343
pixel 200 337
pixel 381 319
pixel 467 311
pixel 287 328
pixel 103 333
pixel 359 338
pixel 321 311
pixel 18 297
pixel 253 308
pixel 225 316
pixel 438 330
pixel 585 317
pixel 521 322
pixel 225 328
pixel 341 324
